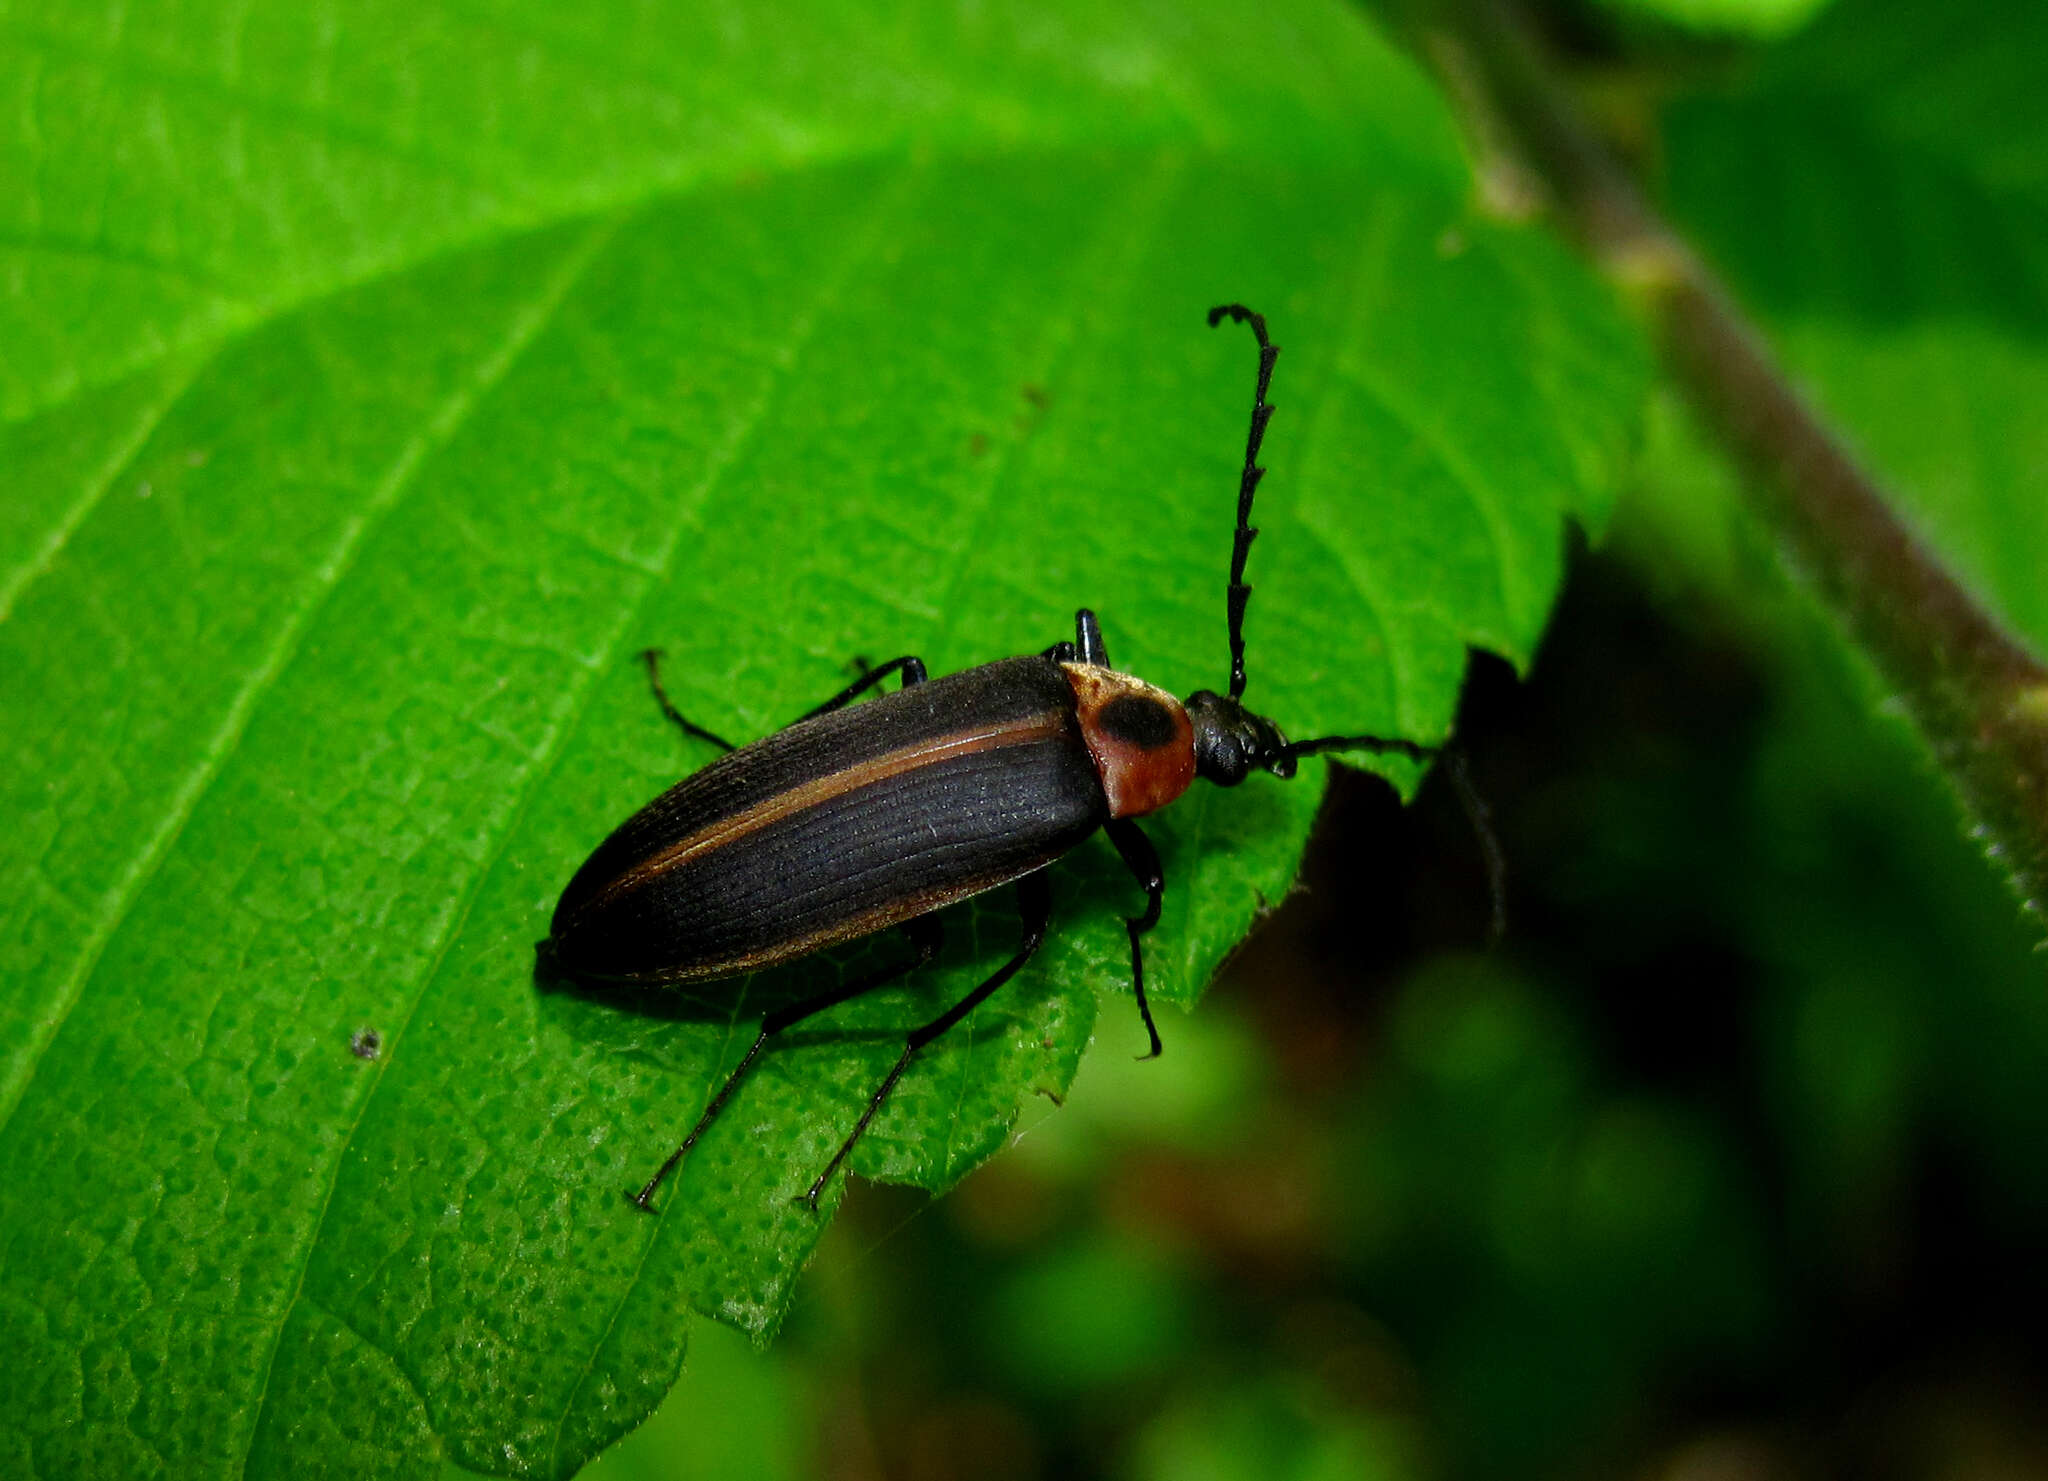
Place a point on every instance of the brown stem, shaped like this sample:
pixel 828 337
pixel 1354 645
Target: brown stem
pixel 1976 692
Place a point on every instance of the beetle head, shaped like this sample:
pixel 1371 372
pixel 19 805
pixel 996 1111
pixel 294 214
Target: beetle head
pixel 1231 742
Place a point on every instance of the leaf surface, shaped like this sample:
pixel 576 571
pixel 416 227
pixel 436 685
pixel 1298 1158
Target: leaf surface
pixel 388 378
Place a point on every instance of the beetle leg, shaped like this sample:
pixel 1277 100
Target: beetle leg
pixel 1088 638
pixel 910 664
pixel 1034 899
pixel 926 933
pixel 1143 861
pixel 1062 652
pixel 652 658
pixel 911 667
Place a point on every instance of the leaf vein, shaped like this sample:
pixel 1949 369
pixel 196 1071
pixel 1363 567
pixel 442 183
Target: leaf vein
pixel 1478 490
pixel 520 334
pixel 1314 439
pixel 889 213
pixel 326 127
pixel 44 557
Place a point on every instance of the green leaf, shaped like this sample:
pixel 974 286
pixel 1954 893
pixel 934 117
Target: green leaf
pixel 381 381
pixel 1879 195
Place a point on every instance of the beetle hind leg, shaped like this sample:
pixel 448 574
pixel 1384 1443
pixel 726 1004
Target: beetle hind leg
pixel 1034 898
pixel 926 934
pixel 652 658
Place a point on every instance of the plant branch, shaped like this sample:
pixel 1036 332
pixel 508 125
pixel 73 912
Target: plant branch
pixel 1976 692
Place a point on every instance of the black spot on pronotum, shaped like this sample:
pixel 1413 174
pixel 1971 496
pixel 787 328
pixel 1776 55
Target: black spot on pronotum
pixel 366 1043
pixel 1137 720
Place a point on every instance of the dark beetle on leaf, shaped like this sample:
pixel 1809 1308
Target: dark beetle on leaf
pixel 860 817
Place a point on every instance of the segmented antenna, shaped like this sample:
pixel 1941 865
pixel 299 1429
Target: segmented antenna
pixel 1247 487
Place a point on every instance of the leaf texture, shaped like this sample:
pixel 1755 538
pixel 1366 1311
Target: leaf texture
pixel 386 378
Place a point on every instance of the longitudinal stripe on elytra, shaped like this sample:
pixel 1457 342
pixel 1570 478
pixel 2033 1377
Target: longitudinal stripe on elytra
pixel 824 788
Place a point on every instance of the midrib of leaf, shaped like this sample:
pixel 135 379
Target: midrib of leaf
pixel 200 351
pixel 1134 231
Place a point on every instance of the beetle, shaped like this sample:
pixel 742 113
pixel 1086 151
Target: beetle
pixel 858 818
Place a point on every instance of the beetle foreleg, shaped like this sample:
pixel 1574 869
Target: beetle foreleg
pixel 1034 900
pixel 1143 861
pixel 1088 638
pixel 926 934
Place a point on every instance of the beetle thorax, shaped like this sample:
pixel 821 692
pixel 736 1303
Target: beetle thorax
pixel 1139 736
